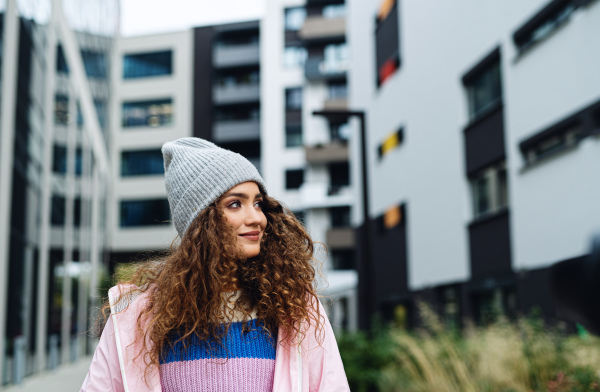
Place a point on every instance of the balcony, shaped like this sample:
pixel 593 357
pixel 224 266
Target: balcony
pixel 336 104
pixel 236 93
pixel 236 55
pixel 322 195
pixel 341 238
pixel 317 69
pixel 330 153
pixel 319 29
pixel 236 130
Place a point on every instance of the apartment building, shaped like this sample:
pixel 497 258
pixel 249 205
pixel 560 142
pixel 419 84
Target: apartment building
pixel 54 176
pixel 307 159
pixel 483 149
pixel 201 82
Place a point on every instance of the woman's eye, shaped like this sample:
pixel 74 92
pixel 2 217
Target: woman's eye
pixel 258 204
pixel 235 204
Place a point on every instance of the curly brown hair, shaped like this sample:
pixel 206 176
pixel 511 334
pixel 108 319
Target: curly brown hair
pixel 278 284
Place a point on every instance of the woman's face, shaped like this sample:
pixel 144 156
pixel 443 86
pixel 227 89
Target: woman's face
pixel 242 206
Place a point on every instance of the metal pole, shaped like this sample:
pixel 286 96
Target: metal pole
pixel 365 273
pixel 7 142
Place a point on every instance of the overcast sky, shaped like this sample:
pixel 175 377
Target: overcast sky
pixel 157 16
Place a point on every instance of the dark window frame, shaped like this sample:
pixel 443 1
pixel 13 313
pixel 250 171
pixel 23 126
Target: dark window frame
pixel 164 119
pixel 140 218
pixel 567 133
pixel 138 65
pixel 294 178
pixel 545 22
pixel 488 64
pixel 131 165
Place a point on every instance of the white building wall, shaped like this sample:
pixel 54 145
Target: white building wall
pixel 276 158
pixel 439 42
pixel 177 86
pixel 554 204
pixel 275 78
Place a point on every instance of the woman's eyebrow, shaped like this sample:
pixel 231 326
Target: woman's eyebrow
pixel 243 195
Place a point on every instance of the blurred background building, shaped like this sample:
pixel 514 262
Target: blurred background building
pixel 483 146
pixel 482 126
pixel 54 177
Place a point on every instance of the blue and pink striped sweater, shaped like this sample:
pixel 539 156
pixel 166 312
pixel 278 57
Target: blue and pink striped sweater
pixel 245 362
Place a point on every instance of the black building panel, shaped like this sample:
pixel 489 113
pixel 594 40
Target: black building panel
pixel 203 80
pixel 489 245
pixel 484 141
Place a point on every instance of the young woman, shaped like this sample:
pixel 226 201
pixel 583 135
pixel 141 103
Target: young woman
pixel 233 307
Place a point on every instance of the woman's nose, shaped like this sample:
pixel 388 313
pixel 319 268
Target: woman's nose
pixel 253 216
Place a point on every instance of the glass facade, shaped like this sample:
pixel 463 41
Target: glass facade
pixel 144 162
pixel 143 65
pixel 51 265
pixel 484 91
pixel 136 213
pixel 154 113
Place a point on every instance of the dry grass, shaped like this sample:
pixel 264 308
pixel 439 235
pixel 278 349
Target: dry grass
pixel 505 356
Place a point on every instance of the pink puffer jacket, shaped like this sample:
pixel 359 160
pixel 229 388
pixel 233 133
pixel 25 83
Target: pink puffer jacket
pixel 306 367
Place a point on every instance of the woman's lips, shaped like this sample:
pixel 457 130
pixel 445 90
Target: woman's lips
pixel 251 235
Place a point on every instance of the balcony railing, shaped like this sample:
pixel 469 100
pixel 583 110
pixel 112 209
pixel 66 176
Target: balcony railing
pixel 318 69
pixel 341 238
pixel 319 28
pixel 236 130
pixel 322 195
pixel 236 93
pixel 236 55
pixel 328 153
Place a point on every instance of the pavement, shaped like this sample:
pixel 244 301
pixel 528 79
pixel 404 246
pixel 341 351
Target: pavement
pixel 66 378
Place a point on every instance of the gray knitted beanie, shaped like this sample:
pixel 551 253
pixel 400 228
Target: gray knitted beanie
pixel 197 172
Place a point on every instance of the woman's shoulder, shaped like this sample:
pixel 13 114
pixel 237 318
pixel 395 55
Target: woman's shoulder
pixel 124 296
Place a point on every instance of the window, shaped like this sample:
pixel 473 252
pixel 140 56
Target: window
pixel 339 177
pixel 552 143
pixel 234 79
pixel 153 113
pixel 240 113
pixel 61 62
pixel 94 63
pixel 339 132
pixel 340 216
pixel 337 90
pixel 293 135
pixel 143 162
pixel 294 178
pixel 343 259
pixel 61 109
pixel 544 23
pixel 135 213
pixel 233 39
pixel 143 65
pixel 293 98
pixel 294 56
pixel 334 11
pixel 335 58
pixel 59 159
pixel 77 212
pixel 57 216
pixel 484 89
pixel 387 42
pixel 294 18
pixel 489 190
